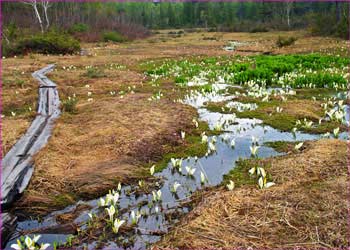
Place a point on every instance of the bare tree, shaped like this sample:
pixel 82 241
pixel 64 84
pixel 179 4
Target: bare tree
pixel 289 5
pixel 34 4
pixel 45 5
pixel 5 36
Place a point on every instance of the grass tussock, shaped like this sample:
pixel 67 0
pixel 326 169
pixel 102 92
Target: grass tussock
pixel 307 207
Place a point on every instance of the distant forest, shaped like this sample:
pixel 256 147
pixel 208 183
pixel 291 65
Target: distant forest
pixel 135 19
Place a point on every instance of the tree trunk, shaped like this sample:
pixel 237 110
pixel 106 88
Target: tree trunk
pixel 337 11
pixel 45 7
pixel 38 16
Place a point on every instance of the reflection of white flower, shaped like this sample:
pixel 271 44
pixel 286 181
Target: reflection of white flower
pixel 203 178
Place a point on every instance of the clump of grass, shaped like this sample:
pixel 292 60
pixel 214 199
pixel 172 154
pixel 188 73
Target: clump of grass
pixel 285 41
pixel 69 105
pixel 94 73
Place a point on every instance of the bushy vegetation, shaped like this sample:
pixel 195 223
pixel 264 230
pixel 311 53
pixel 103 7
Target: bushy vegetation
pixel 285 41
pixel 48 43
pixel 113 36
pixel 258 29
pixel 330 25
pixel 94 72
pixel 78 28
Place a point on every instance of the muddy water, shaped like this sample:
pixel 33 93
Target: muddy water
pixel 214 166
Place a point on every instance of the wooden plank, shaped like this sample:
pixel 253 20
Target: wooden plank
pixel 17 165
pixel 7 227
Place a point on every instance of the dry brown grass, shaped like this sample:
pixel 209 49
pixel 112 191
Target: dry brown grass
pixel 108 140
pixel 12 128
pixel 308 207
pixel 303 109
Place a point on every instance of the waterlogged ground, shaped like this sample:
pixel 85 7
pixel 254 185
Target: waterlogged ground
pixel 157 218
pixel 246 102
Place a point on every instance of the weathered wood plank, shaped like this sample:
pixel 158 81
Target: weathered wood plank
pixel 8 226
pixel 17 165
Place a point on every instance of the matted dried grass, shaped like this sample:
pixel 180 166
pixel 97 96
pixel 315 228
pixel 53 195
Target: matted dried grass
pixel 308 208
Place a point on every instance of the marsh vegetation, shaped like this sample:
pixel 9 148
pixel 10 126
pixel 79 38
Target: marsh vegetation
pixel 174 140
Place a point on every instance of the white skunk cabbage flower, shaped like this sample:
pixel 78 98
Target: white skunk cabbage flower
pixel 111 212
pixel 190 170
pixel 157 196
pixel 336 132
pixel 231 185
pixel 254 149
pixel 183 134
pixel 117 224
pixel 135 217
pixel 299 145
pixel 175 186
pixel 151 170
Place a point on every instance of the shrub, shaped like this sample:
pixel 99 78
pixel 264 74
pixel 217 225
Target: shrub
pixel 285 41
pixel 209 38
pixel 49 43
pixel 259 29
pixel 112 36
pixel 78 28
pixel 69 105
